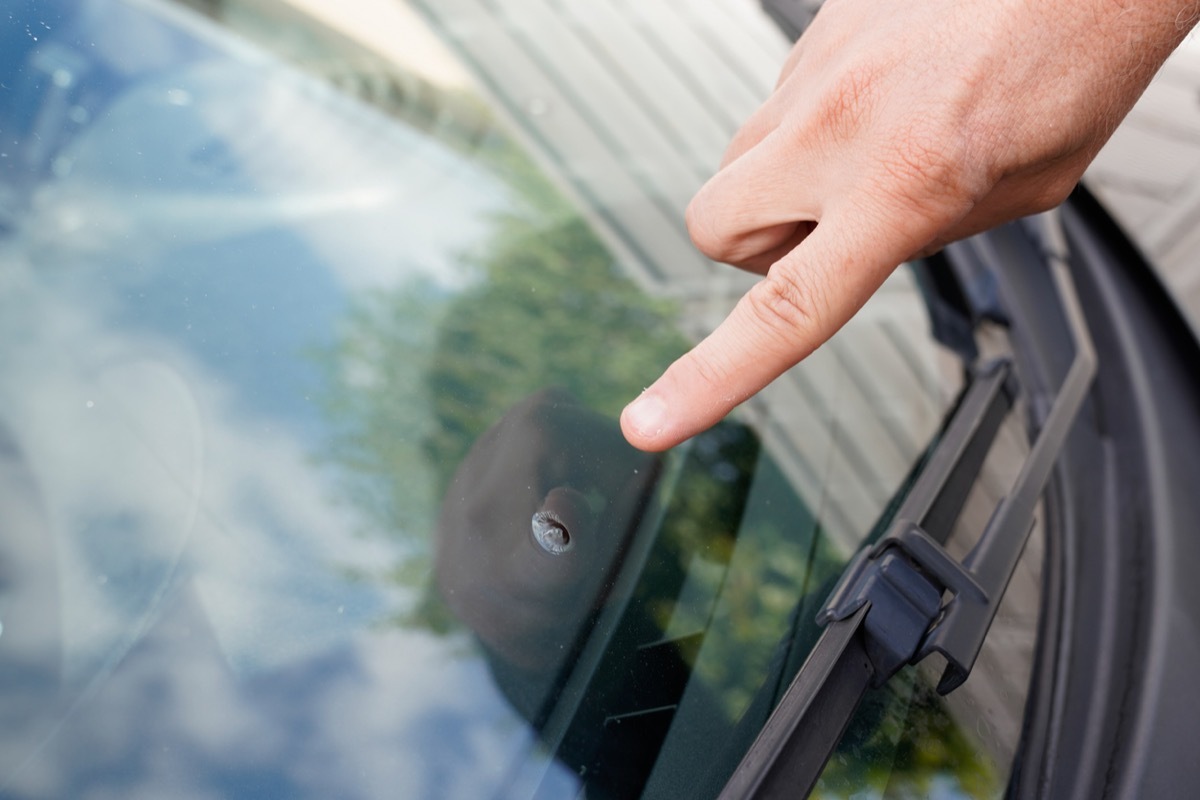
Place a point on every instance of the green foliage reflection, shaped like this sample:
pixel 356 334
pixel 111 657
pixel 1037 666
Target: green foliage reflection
pixel 904 743
pixel 418 372
pixel 552 308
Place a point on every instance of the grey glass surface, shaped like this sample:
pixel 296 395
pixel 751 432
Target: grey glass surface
pixel 296 339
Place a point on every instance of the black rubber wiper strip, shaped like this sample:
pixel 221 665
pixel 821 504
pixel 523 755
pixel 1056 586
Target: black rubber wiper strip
pixel 801 734
pixel 888 609
pixel 805 728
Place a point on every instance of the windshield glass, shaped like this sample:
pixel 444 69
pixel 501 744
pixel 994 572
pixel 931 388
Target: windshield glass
pixel 315 326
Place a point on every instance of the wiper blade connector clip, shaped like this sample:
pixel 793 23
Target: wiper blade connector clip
pixel 894 577
pixel 905 574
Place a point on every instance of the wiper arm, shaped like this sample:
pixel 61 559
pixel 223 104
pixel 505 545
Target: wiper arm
pixel 893 575
pixel 888 610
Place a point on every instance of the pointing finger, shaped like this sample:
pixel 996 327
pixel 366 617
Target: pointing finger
pixel 805 298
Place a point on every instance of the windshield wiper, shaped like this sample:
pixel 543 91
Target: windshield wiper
pixel 888 608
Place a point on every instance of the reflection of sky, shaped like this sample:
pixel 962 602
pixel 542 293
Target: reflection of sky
pixel 231 210
pixel 159 303
pixel 175 722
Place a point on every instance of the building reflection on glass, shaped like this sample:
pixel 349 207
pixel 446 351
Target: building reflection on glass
pixel 310 484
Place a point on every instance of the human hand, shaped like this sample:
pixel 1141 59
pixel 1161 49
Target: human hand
pixel 895 128
pixel 526 599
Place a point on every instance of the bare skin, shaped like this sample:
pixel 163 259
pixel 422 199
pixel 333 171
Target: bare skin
pixel 896 128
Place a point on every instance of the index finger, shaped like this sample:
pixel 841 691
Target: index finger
pixel 806 297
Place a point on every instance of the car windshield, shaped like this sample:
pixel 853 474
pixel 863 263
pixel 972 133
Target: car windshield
pixel 316 323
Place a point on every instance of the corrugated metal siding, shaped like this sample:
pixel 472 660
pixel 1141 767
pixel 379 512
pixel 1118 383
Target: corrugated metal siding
pixel 631 104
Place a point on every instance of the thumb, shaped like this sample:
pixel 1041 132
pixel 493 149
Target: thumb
pixel 806 297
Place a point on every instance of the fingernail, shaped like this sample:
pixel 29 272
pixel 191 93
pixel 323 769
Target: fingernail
pixel 647 415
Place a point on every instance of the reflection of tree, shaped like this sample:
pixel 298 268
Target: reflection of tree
pixel 551 309
pixel 904 744
pixel 419 372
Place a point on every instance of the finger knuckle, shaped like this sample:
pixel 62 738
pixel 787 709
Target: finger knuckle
pixel 932 159
pixel 701 229
pixel 1052 193
pixel 710 371
pixel 706 231
pixel 932 171
pixel 785 305
pixel 846 107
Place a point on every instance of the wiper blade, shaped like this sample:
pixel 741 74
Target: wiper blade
pixel 888 609
pixel 892 575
